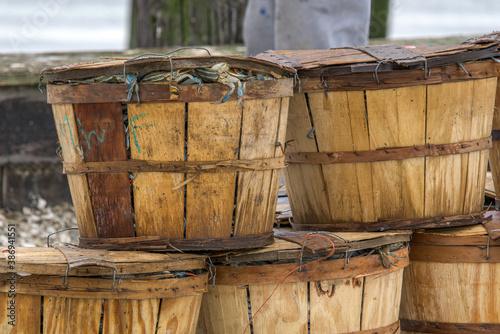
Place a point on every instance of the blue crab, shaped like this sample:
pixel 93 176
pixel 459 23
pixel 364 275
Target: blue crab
pixel 221 73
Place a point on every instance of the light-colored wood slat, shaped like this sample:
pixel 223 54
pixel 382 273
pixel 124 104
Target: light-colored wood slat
pixel 225 309
pixel 451 292
pixel 335 305
pixel 259 127
pixel 130 316
pixel 213 134
pixel 411 104
pixel 276 174
pixel 448 121
pixel 157 132
pixel 27 314
pixel 71 315
pixel 285 312
pixel 361 141
pixel 67 133
pixel 305 183
pixel 179 315
pixel 396 117
pixel 332 126
pixel 495 150
pixel 381 300
pixel 481 123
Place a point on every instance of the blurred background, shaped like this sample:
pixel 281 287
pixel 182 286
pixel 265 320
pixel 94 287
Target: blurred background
pixel 35 34
pixel 35 26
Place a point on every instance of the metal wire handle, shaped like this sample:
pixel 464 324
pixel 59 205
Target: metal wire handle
pixel 65 279
pixel 64 229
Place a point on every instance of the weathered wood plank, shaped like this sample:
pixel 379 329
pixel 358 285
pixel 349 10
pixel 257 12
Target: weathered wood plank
pixel 305 183
pixel 276 174
pixel 446 122
pixel 482 109
pixel 179 315
pixel 71 315
pixel 209 92
pixel 26 316
pixel 381 300
pixel 67 131
pixel 335 305
pixel 213 133
pixel 225 309
pixel 103 139
pixel 157 133
pixel 97 288
pixel 285 312
pixel 331 111
pixel 474 283
pixel 259 128
pixel 130 316
pixel 495 150
pixel 391 124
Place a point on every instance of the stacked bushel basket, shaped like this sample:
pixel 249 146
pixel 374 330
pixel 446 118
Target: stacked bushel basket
pixel 162 154
pixel 184 154
pixel 391 137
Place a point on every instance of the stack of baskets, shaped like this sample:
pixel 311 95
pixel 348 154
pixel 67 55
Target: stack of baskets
pixel 397 138
pixel 184 154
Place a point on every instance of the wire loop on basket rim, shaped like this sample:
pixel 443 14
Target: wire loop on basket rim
pixel 65 279
pixel 64 229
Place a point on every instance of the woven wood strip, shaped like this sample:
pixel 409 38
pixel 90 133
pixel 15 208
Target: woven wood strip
pixel 174 166
pixel 448 327
pixel 397 224
pixel 387 154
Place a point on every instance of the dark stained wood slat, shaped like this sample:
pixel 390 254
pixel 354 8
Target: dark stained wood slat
pixel 102 136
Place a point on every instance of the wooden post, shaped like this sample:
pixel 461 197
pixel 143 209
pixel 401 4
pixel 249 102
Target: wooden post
pixel 186 22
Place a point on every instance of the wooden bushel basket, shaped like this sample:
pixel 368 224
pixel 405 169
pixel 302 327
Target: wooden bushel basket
pixel 388 137
pixel 331 296
pixel 70 290
pixel 452 286
pixel 176 171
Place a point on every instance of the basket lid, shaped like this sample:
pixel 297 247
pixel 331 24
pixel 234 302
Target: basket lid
pixel 65 259
pixel 159 62
pixel 349 60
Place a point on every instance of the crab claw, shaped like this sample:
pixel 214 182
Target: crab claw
pixel 226 97
pixel 241 90
pixel 193 80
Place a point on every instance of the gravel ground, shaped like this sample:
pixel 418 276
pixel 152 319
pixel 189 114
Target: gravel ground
pixel 33 224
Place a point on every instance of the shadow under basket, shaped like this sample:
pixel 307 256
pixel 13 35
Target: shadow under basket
pixel 70 290
pixel 180 170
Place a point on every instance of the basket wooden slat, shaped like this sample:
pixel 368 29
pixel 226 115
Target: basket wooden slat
pixel 153 190
pixel 110 193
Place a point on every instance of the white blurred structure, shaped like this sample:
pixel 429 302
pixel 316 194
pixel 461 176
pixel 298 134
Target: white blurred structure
pixel 28 26
pixel 63 25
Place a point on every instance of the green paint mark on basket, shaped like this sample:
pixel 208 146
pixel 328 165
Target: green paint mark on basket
pixel 88 137
pixel 134 128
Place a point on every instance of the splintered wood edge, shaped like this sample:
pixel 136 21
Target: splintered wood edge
pixel 100 288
